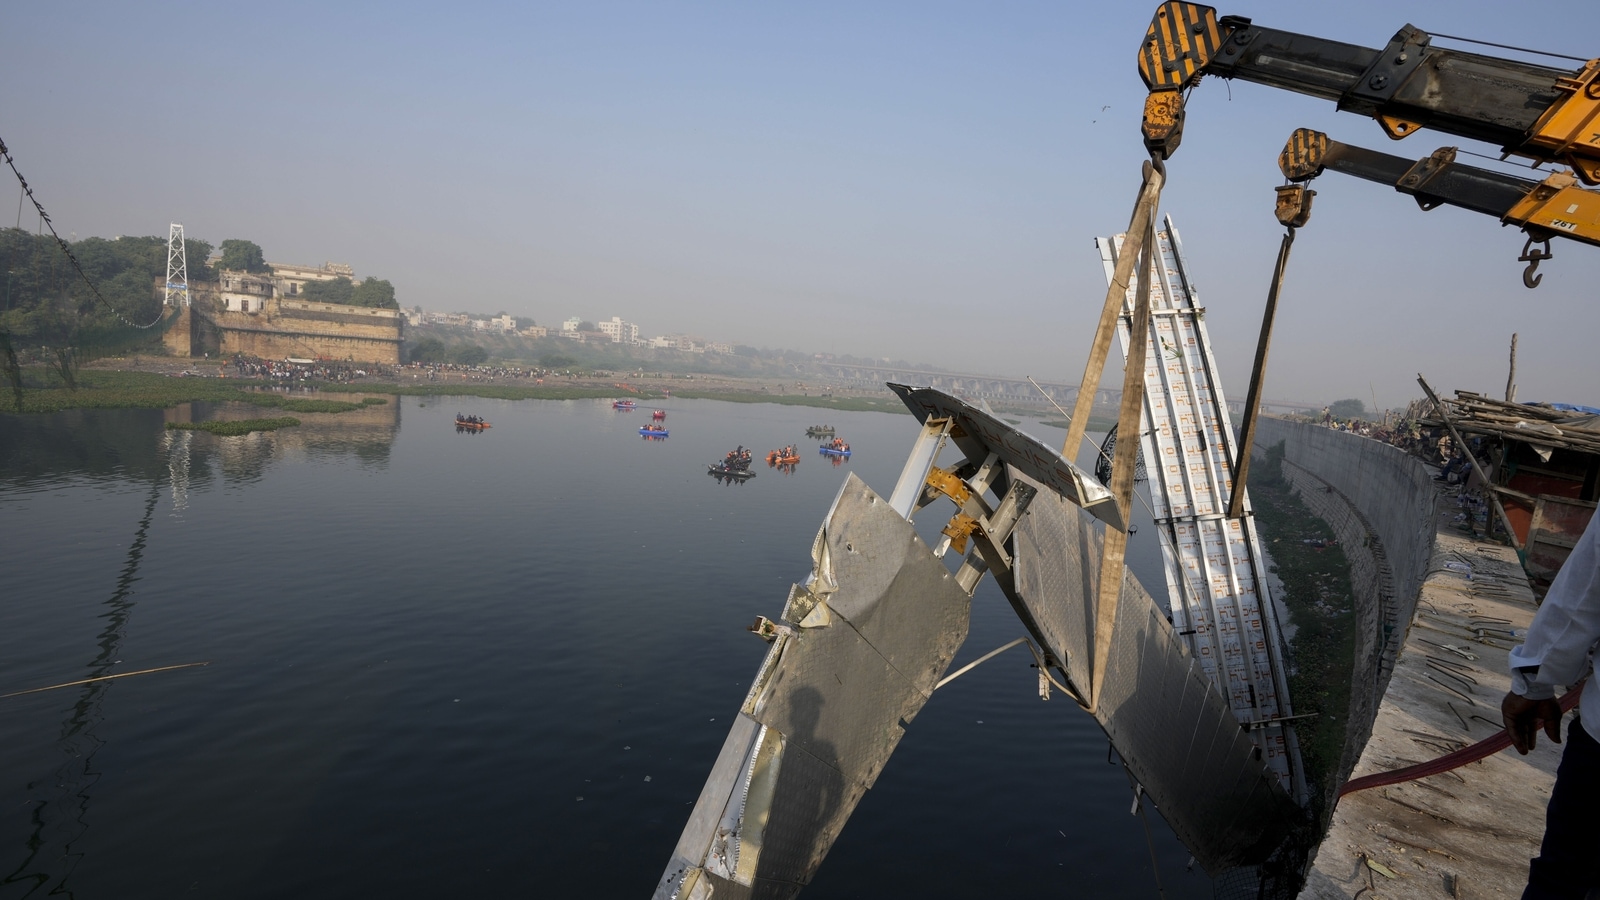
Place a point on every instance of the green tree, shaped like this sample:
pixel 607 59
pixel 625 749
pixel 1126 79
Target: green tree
pixel 376 293
pixel 1347 409
pixel 339 290
pixel 557 361
pixel 468 355
pixel 239 255
pixel 426 350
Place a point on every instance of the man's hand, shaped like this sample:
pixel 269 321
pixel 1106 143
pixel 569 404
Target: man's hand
pixel 1523 718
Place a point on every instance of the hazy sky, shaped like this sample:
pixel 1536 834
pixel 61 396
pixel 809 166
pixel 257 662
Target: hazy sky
pixel 913 180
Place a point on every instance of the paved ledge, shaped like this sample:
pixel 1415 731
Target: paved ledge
pixel 1467 833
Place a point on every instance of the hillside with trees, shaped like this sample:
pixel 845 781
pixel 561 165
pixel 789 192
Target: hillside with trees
pixel 45 302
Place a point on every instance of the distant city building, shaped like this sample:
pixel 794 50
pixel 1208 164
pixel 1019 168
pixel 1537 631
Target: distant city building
pixel 504 323
pixel 619 331
pixel 719 347
pixel 570 326
pixel 535 331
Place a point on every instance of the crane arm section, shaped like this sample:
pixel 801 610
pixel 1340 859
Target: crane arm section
pixel 1556 206
pixel 1542 113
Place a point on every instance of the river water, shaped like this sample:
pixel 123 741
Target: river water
pixel 447 664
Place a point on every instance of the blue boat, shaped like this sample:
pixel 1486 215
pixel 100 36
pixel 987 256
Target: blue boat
pixel 649 432
pixel 829 451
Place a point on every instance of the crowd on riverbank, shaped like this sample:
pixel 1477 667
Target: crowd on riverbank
pixel 287 370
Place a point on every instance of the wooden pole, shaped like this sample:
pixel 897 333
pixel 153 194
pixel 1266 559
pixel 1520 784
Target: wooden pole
pixel 104 678
pixel 1511 378
pixel 1116 294
pixel 1113 554
pixel 1258 376
pixel 1483 476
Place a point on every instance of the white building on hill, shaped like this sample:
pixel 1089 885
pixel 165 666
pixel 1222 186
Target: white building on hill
pixel 619 331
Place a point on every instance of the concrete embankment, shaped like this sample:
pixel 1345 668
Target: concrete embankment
pixel 1382 504
pixel 1429 671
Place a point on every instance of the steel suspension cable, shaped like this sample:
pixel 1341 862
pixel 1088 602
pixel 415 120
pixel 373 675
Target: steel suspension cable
pixel 44 219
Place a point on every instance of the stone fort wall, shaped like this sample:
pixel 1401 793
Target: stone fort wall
pixel 286 328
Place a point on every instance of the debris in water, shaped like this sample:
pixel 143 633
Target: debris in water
pixel 647 778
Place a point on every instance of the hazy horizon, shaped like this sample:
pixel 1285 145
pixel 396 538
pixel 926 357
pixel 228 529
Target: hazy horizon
pixel 917 182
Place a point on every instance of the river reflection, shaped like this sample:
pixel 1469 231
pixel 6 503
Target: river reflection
pixel 425 650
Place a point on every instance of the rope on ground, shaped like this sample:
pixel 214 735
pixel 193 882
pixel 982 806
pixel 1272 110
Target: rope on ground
pixel 1485 748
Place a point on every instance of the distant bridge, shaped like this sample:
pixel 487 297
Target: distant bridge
pixel 971 387
pixel 995 388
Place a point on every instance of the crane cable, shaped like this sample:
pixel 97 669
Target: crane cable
pixel 1487 747
pixel 67 248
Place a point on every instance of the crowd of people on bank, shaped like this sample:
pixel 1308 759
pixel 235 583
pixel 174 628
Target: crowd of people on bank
pixel 437 371
pixel 287 371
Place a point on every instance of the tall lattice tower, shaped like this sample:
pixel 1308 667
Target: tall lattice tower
pixel 177 268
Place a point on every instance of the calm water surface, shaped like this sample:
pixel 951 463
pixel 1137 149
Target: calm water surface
pixel 449 664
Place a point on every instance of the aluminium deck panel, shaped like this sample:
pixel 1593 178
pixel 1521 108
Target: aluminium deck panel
pixel 1216 586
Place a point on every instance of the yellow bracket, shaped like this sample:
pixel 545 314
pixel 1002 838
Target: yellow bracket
pixel 1570 129
pixel 1397 128
pixel 960 528
pixel 946 483
pixel 1560 206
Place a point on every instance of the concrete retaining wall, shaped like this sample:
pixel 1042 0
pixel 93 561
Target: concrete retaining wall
pixel 1382 505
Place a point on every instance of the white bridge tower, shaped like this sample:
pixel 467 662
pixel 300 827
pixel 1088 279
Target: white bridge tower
pixel 177 268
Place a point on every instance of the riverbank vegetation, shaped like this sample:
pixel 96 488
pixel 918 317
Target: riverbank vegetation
pixel 44 391
pixel 307 404
pixel 235 427
pixel 1101 423
pixel 1316 588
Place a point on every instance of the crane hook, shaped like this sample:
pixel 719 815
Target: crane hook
pixel 1533 257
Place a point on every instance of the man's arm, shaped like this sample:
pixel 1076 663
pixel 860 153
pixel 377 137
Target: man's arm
pixel 1556 649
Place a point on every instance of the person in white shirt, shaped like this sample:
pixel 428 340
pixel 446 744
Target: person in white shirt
pixel 1558 651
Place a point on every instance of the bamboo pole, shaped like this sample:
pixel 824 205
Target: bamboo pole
pixel 103 678
pixel 1258 376
pixel 1511 377
pixel 1113 554
pixel 1505 521
pixel 1116 294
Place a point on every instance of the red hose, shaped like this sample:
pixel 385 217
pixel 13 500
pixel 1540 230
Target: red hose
pixel 1489 746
